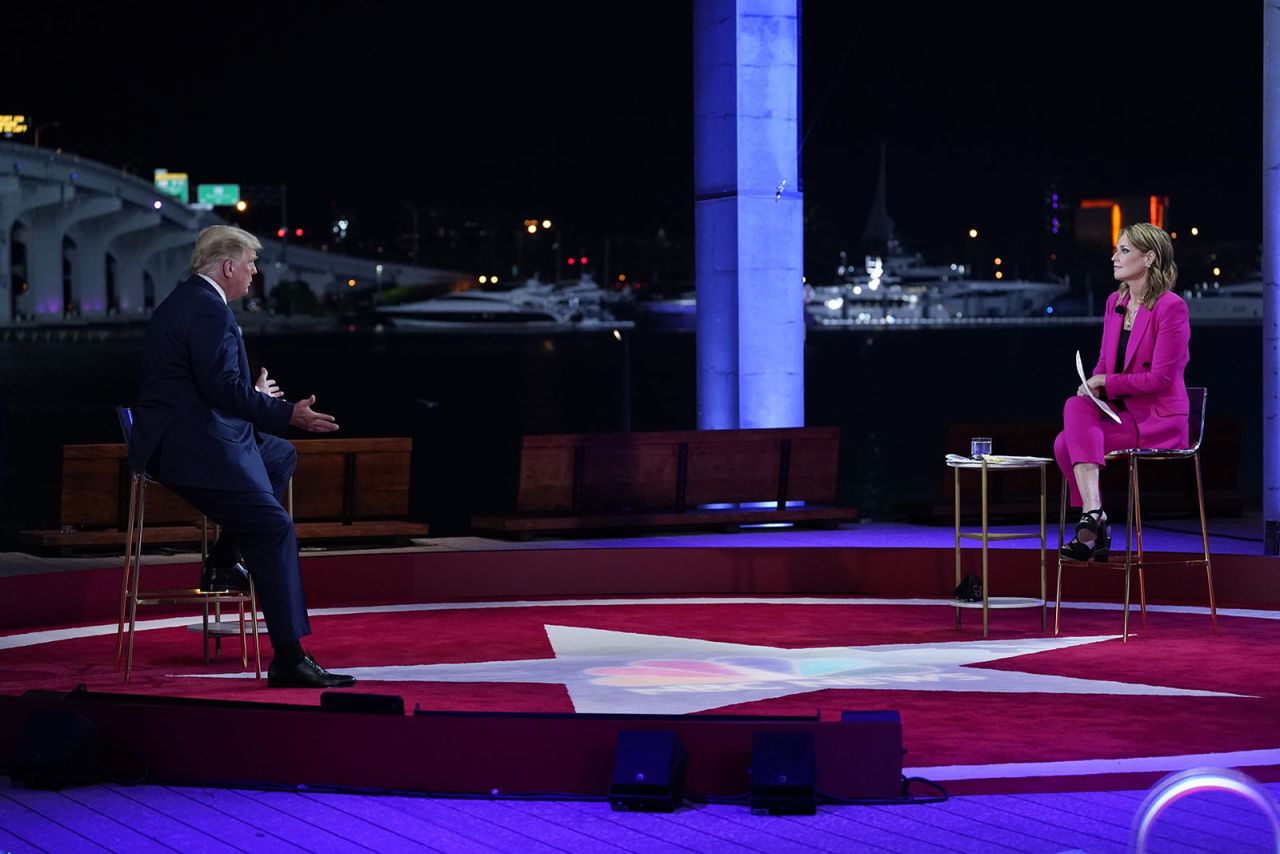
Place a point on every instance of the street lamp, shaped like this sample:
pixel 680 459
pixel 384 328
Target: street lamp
pixel 531 228
pixel 36 135
pixel 416 237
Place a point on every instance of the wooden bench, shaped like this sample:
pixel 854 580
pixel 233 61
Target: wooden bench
pixel 343 489
pixel 693 478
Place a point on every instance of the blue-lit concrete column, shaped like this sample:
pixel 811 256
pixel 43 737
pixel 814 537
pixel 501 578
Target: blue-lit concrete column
pixel 89 269
pixel 170 266
pixel 9 188
pixel 46 228
pixel 50 226
pixel 132 253
pixel 1271 276
pixel 748 213
pixel 16 199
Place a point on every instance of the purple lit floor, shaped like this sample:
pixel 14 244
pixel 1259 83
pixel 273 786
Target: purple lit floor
pixel 1227 536
pixel 1240 535
pixel 165 818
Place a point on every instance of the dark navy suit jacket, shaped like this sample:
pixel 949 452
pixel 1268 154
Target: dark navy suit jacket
pixel 198 413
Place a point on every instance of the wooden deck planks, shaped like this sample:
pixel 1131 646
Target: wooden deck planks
pixel 821 832
pixel 194 819
pixel 115 801
pixel 282 817
pixel 366 816
pixel 38 831
pixel 216 823
pixel 1205 833
pixel 487 823
pixel 627 831
pixel 900 829
pixel 94 828
pixel 1062 827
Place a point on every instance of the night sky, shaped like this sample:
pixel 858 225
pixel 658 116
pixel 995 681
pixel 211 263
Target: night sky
pixel 489 113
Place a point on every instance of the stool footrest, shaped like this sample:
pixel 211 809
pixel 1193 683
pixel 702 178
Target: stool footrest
pixel 977 535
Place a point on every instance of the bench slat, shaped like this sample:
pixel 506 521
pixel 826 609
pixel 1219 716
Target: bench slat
pixel 581 481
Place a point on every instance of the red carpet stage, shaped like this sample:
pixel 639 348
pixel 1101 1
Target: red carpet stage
pixel 745 632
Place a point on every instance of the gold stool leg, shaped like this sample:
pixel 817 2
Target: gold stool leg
pixel 1043 564
pixel 957 508
pixel 1137 527
pixel 1062 539
pixel 257 647
pixel 1204 538
pixel 1128 548
pixel 244 646
pixel 986 586
pixel 204 622
pixel 217 605
pixel 135 580
pixel 128 566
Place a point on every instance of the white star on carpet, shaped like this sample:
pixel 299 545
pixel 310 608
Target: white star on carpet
pixel 626 672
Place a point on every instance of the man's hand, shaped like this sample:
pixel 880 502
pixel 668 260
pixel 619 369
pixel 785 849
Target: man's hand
pixel 1097 382
pixel 267 386
pixel 306 418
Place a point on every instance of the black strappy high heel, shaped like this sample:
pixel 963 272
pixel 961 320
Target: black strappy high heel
pixel 1099 548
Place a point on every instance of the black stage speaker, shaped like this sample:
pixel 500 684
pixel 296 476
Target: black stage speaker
pixel 783 773
pixel 58 748
pixel 369 704
pixel 648 771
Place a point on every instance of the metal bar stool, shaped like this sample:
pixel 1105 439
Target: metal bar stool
pixel 1197 398
pixel 132 595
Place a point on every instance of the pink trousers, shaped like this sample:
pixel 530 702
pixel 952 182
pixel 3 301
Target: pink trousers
pixel 1087 435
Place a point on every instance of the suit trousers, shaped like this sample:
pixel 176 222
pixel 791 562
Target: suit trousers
pixel 280 459
pixel 256 526
pixel 1087 435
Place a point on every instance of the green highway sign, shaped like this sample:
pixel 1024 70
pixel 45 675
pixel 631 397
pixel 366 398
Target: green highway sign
pixel 217 194
pixel 172 184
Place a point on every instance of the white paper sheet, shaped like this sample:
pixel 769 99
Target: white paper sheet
pixel 997 459
pixel 1102 404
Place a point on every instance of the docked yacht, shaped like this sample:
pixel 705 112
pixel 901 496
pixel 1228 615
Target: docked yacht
pixel 978 298
pixel 1214 303
pixel 903 288
pixel 531 305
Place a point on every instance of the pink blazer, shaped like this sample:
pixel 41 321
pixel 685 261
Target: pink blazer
pixel 1150 383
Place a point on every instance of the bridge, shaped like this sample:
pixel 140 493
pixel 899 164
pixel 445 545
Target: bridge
pixel 81 239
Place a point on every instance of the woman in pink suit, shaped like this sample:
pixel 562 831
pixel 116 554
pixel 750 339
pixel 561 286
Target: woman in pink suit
pixel 1145 338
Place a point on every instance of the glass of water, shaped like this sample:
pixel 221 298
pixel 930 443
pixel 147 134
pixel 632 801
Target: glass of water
pixel 979 445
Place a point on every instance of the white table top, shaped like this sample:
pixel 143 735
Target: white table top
pixel 997 461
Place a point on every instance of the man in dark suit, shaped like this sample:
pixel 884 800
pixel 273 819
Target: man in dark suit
pixel 204 429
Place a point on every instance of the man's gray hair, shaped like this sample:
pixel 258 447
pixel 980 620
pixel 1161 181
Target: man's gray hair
pixel 219 243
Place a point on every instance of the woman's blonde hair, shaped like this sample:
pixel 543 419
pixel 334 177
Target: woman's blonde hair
pixel 219 243
pixel 1162 275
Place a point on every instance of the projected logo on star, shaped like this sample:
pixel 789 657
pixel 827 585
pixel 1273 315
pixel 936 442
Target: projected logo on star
pixel 676 672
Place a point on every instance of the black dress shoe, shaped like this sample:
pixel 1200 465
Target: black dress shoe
pixel 305 674
pixel 234 577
